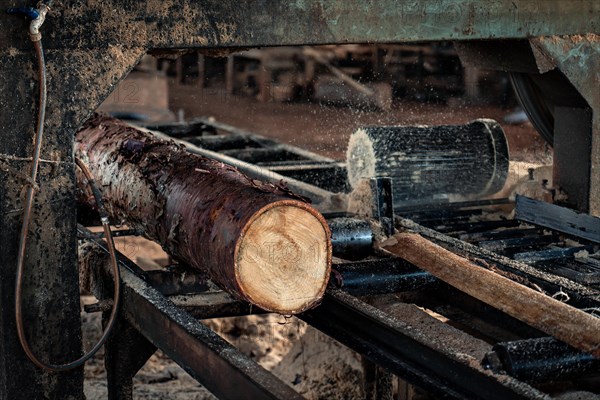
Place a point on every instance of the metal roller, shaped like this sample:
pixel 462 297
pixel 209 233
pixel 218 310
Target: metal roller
pixel 382 276
pixel 542 359
pixel 351 238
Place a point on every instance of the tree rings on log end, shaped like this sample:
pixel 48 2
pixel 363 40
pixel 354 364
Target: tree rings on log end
pixel 283 257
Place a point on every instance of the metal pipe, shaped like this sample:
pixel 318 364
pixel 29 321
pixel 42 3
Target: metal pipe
pixel 382 276
pixel 351 238
pixel 542 359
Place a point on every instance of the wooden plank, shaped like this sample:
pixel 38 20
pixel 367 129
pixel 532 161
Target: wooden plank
pixel 561 219
pixel 571 325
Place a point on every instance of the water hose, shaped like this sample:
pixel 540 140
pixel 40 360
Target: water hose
pixel 38 16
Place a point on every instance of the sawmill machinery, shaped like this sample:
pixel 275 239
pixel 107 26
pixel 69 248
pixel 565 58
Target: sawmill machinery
pixel 65 58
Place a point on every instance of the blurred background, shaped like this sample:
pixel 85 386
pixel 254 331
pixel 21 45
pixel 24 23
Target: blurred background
pixel 315 97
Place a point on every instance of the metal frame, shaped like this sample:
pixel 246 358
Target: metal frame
pixel 411 345
pixel 411 349
pixel 92 45
pixel 150 320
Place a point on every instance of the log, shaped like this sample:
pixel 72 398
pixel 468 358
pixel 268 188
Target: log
pixel 425 161
pixel 258 241
pixel 569 324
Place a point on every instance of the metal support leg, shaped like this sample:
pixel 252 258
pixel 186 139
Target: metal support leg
pixel 125 352
pixel 572 156
pixel 377 381
pixel 207 357
pixel 51 294
pixel 579 60
pixel 383 207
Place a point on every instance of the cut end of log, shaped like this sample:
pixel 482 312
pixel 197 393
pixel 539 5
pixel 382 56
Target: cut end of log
pixel 283 258
pixel 360 158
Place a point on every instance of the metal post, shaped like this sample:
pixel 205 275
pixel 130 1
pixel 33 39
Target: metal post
pixel 51 290
pixel 577 131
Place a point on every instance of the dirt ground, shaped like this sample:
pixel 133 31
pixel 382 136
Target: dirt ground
pixel 299 355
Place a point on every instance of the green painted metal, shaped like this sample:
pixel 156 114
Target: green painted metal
pixel 454 19
pixel 250 23
pixel 579 59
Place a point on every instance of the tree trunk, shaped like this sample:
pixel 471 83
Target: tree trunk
pixel 258 241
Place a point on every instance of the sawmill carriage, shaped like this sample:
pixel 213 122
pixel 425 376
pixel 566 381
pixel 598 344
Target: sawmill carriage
pixel 259 226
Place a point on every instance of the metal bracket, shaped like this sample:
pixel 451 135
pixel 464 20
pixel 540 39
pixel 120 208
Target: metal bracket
pixel 383 203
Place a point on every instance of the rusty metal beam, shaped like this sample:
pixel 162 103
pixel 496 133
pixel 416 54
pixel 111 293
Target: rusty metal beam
pixel 214 23
pixel 411 348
